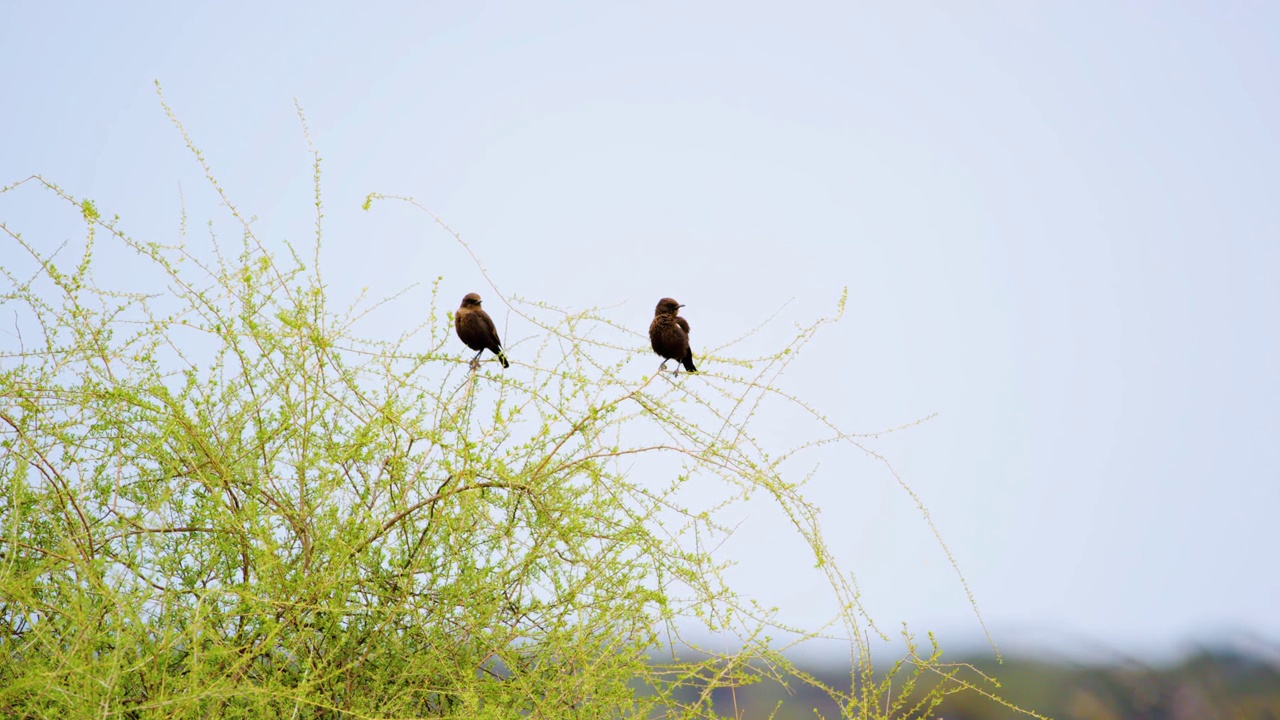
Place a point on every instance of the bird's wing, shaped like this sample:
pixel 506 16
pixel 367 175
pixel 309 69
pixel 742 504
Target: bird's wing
pixel 491 329
pixel 684 324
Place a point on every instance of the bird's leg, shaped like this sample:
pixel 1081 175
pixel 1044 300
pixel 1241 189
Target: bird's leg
pixel 475 361
pixel 663 366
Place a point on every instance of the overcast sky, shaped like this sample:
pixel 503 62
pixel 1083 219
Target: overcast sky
pixel 1058 222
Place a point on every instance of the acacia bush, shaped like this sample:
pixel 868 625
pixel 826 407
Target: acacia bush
pixel 219 500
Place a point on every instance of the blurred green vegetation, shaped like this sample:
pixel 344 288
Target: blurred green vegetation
pixel 1207 684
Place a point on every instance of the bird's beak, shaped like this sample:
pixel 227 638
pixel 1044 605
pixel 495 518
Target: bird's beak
pixel 679 306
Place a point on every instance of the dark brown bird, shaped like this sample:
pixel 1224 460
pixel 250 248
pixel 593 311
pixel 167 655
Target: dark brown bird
pixel 669 335
pixel 476 329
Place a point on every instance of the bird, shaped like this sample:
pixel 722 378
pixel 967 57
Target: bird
pixel 476 330
pixel 669 335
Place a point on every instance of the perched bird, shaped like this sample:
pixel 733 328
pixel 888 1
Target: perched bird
pixel 476 329
pixel 669 335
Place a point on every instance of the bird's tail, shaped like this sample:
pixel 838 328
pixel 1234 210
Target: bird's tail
pixel 503 359
pixel 688 362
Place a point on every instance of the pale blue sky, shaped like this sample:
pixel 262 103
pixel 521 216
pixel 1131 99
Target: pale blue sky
pixel 1058 224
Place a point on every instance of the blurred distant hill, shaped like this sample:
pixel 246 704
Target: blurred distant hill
pixel 1208 684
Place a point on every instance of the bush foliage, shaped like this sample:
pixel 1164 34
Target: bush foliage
pixel 220 500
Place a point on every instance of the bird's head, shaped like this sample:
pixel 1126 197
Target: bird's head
pixel 667 306
pixel 471 300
